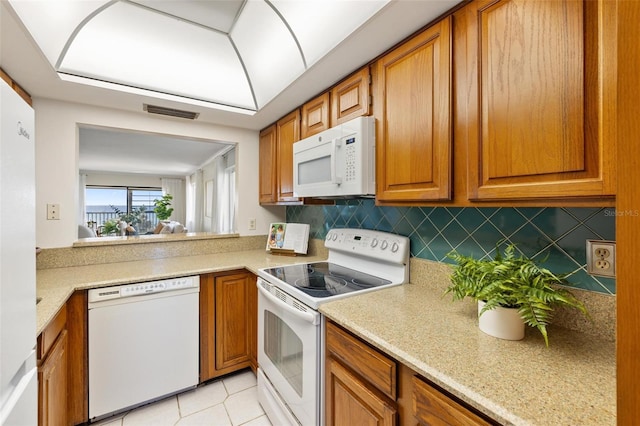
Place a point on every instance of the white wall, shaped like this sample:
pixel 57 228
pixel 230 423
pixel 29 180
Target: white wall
pixel 123 179
pixel 57 163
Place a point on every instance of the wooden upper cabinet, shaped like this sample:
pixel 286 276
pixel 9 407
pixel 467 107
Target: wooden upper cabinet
pixel 351 97
pixel 288 132
pixel 538 80
pixel 315 116
pixel 268 165
pixel 276 160
pixel 413 112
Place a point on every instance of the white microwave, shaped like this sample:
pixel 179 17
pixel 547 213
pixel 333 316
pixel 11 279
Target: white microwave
pixel 338 162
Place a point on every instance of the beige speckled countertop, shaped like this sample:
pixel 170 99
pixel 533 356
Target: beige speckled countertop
pixel 522 383
pixel 570 383
pixel 55 285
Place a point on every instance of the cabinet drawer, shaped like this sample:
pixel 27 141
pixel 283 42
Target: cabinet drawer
pixel 372 365
pixel 51 332
pixel 432 407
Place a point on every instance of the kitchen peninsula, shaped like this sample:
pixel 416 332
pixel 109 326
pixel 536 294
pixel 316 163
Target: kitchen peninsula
pixel 571 382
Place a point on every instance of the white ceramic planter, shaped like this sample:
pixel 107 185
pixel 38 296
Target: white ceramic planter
pixel 503 323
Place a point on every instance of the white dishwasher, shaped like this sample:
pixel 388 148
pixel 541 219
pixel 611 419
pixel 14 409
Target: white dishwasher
pixel 143 343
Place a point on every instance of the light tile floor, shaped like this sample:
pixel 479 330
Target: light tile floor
pixel 231 401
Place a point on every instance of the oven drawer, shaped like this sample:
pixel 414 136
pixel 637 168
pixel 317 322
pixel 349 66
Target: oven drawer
pixel 375 367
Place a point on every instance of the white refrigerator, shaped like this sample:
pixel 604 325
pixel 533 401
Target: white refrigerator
pixel 18 373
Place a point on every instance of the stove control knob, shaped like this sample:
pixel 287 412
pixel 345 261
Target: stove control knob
pixel 334 236
pixel 374 243
pixel 329 236
pixel 384 245
pixel 395 247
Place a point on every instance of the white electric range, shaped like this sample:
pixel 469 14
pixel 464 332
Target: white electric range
pixel 290 328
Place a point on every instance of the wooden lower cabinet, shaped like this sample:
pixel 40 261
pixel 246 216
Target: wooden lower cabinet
pixel 360 382
pixel 228 323
pixel 364 386
pixel 432 407
pixel 78 358
pixel 352 401
pixel 63 366
pixel 52 384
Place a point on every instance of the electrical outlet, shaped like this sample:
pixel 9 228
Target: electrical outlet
pixel 252 224
pixel 601 258
pixel 53 211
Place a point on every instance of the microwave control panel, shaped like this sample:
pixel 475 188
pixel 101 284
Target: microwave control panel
pixel 350 158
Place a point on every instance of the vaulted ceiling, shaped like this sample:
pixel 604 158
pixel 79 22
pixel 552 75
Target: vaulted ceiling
pixel 220 58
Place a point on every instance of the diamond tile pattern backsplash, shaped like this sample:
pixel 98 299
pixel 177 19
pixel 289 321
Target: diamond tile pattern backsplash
pixel 557 234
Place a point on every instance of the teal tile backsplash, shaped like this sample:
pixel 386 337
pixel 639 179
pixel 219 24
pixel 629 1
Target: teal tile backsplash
pixel 557 234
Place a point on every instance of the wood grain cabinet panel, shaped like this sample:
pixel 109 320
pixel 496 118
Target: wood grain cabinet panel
pixel 228 323
pixel 78 358
pixel 276 160
pixel 253 321
pixel 432 408
pixel 351 97
pixel 373 366
pixel 315 116
pixel 538 78
pixel 268 166
pixel 52 378
pixel 351 402
pixel 360 381
pixel 232 322
pixel 288 132
pixel 52 384
pixel 414 118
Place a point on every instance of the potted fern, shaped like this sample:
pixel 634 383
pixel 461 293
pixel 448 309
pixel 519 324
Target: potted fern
pixel 513 283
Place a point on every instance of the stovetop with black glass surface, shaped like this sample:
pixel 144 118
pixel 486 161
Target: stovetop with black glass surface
pixel 384 257
pixel 324 279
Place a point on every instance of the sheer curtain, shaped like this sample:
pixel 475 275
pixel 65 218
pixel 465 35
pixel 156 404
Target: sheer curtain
pixel 82 209
pixel 224 198
pixel 176 187
pixel 195 202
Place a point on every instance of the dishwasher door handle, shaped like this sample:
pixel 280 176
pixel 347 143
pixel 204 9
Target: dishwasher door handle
pixel 310 317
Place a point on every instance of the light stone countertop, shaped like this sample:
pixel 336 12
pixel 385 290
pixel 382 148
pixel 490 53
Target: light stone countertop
pixel 55 285
pixel 572 382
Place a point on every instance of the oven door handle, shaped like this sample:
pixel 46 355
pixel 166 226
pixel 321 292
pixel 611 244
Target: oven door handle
pixel 311 317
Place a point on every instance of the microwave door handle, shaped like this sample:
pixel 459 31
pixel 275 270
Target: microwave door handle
pixel 311 317
pixel 335 145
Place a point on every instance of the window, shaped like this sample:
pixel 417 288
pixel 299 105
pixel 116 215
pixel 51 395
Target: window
pixel 106 205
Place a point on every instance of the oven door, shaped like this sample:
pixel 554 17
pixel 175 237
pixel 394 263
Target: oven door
pixel 289 345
